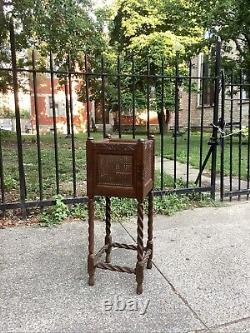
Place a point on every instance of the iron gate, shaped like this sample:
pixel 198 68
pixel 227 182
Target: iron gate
pixel 234 132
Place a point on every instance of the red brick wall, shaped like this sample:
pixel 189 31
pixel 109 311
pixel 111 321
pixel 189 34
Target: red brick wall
pixel 45 119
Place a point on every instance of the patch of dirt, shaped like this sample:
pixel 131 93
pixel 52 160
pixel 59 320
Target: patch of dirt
pixel 67 188
pixel 32 219
pixel 13 221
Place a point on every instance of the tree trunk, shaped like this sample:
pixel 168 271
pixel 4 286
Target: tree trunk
pixel 164 121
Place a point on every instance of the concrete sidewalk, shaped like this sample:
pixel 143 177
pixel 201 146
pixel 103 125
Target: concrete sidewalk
pixel 200 281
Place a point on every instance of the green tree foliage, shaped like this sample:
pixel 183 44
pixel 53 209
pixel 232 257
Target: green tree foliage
pixel 229 20
pixel 65 27
pixel 155 28
pixel 151 31
pixel 158 29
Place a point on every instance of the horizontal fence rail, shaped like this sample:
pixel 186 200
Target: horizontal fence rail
pixel 189 108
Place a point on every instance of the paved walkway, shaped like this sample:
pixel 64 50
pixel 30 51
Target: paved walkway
pixel 181 169
pixel 200 281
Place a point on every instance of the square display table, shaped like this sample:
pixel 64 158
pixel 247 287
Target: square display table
pixel 125 169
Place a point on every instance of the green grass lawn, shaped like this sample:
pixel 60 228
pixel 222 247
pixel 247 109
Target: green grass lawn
pixel 10 164
pixel 195 152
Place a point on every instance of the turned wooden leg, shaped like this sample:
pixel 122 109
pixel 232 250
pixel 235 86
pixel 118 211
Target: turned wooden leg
pixel 91 256
pixel 150 228
pixel 108 237
pixel 140 249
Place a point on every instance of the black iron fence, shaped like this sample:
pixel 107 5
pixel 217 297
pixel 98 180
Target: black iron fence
pixel 200 120
pixel 235 136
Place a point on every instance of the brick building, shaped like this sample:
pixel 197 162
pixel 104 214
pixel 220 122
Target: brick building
pixel 196 100
pixel 45 106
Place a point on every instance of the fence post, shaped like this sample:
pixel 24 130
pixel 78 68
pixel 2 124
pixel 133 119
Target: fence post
pixel 103 102
pixel 66 92
pixel 214 139
pixel 2 185
pixel 148 97
pixel 22 183
pixel 177 95
pixel 118 75
pixel 38 140
pixel 222 121
pixel 176 114
pixel 86 76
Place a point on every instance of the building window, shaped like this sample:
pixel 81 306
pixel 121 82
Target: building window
pixel 51 107
pixel 245 90
pixel 60 106
pixel 206 83
pixel 245 95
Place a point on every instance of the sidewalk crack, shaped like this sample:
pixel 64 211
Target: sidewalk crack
pixel 172 287
pixel 236 321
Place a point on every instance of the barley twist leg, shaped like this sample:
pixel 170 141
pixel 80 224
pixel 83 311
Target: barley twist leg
pixel 91 256
pixel 108 237
pixel 140 249
pixel 150 228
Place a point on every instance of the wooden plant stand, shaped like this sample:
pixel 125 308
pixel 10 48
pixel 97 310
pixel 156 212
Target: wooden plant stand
pixel 123 169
